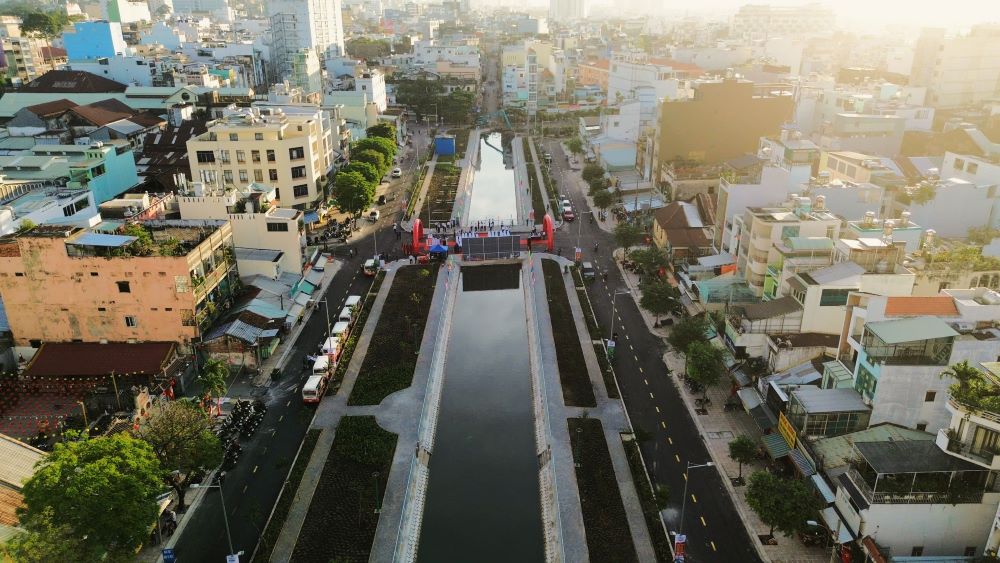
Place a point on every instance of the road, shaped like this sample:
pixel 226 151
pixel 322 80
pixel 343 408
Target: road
pixel 711 523
pixel 251 488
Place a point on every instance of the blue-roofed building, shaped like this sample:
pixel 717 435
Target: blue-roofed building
pixel 106 169
pixel 94 40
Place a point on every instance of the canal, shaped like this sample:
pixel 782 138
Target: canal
pixel 483 498
pixel 493 184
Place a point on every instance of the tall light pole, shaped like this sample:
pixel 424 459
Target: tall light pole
pixel 680 523
pixel 326 309
pixel 225 515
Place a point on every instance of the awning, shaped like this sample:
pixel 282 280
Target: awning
pixel 302 299
pixel 295 314
pixel 763 418
pixel 314 277
pixel 750 398
pixel 836 524
pixel 310 217
pixel 824 490
pixel 741 378
pixel 776 446
pixel 320 264
pixel 306 287
pixel 799 459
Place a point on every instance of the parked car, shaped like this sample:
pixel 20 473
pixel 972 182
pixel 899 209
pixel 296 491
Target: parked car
pixel 568 214
pixel 381 200
pixel 374 215
pixel 314 389
pixel 397 172
pixel 587 270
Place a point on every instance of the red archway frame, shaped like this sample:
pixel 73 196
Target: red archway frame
pixel 418 236
pixel 550 232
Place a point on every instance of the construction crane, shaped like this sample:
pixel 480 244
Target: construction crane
pixel 485 118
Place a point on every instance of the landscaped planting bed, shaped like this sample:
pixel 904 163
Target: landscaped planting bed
pixel 573 376
pixel 604 518
pixel 441 192
pixel 270 535
pixel 661 544
pixel 461 141
pixel 392 352
pixel 595 334
pixel 342 517
pixel 537 197
pixel 352 341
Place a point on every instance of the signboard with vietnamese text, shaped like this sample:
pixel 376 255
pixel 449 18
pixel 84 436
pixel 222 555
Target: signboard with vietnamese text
pixel 786 430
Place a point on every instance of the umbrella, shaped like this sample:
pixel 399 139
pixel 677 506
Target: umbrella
pixel 437 248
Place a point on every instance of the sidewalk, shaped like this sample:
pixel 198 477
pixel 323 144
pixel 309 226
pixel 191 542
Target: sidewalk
pixel 717 429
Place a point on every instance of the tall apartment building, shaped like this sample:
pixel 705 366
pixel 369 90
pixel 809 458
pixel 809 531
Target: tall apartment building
pixel 372 81
pixel 566 10
pixel 958 70
pixel 288 148
pixel 761 21
pixel 304 24
pixel 306 72
pixel 163 281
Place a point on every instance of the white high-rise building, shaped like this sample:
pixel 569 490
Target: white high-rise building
pixel 304 24
pixel 566 10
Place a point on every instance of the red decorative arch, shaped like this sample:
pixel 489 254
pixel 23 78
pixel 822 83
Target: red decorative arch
pixel 550 232
pixel 418 236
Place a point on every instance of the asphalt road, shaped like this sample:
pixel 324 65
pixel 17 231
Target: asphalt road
pixel 251 488
pixel 711 523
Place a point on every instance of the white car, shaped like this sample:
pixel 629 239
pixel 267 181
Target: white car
pixel 397 172
pixel 374 215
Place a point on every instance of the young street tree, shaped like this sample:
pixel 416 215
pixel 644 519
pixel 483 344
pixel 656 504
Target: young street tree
pixel 742 450
pixel 378 144
pixel 384 130
pixel 352 193
pixel 603 199
pixel 213 376
pixel 659 298
pixel 592 171
pixel 575 145
pixel 649 261
pixel 366 169
pixel 104 489
pixel 627 235
pixel 704 363
pixel 783 504
pixel 373 157
pixel 182 439
pixel 688 330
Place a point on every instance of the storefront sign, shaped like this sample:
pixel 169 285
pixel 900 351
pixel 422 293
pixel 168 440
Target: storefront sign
pixel 786 430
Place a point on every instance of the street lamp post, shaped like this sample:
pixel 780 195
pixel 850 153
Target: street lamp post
pixel 680 523
pixel 225 515
pixel 326 310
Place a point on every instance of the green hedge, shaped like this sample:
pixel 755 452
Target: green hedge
pixel 661 543
pixel 392 353
pixel 342 517
pixel 573 376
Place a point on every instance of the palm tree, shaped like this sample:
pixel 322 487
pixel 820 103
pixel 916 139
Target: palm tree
pixel 213 378
pixel 963 373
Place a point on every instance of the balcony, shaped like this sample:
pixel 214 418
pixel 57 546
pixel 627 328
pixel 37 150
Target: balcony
pixel 202 286
pixel 948 441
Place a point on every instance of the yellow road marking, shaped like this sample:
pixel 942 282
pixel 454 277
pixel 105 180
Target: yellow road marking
pixel 678 458
pixel 663 424
pixel 657 409
pixel 685 475
pixel 640 370
pixel 254 469
pixel 651 396
pixel 702 518
pixel 646 382
pixel 713 546
pixel 694 499
pixel 671 440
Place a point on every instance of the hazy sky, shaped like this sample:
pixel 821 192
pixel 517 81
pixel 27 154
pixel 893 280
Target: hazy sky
pixel 946 13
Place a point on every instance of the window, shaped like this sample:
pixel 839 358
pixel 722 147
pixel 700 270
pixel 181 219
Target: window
pixel 302 190
pixel 277 227
pixel 234 137
pixel 207 176
pixel 272 174
pixel 298 172
pixel 258 136
pixel 959 164
pixel 970 551
pixel 917 551
pixel 277 193
pixel 101 309
pixel 930 396
pixel 131 321
pixel 922 426
pixel 972 168
pixel 205 156
pixel 270 155
pixel 789 232
pixel 866 382
pixel 124 287
pixel 258 175
pixel 295 153
pixel 834 297
pixel 227 176
pixel 244 178
pixel 94 274
pixel 241 157
pixel 255 155
pixel 224 156
pixel 68 211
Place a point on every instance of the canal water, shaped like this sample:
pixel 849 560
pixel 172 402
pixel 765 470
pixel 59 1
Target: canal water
pixel 493 184
pixel 483 499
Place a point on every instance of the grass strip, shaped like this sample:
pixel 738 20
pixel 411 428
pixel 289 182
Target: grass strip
pixel 343 514
pixel 573 376
pixel 604 519
pixel 595 334
pixel 277 520
pixel 650 509
pixel 392 353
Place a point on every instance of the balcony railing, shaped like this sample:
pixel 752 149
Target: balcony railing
pixel 911 497
pixel 966 449
pixel 958 405
pixel 213 278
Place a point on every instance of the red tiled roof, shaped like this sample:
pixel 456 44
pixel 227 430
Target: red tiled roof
pixel 51 108
pixel 98 115
pixel 938 306
pixel 603 64
pixel 686 238
pixel 10 501
pixel 76 81
pixel 676 65
pixel 49 53
pixel 69 359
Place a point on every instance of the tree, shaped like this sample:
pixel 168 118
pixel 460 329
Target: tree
pixel 782 504
pixel 688 330
pixel 182 438
pixel 352 194
pixel 420 95
pixel 575 145
pixel 41 24
pixel 457 106
pixel 597 184
pixel 659 298
pixel 704 363
pixel 742 450
pixel 104 489
pixel 603 199
pixel 372 157
pixel 26 225
pixel 366 169
pixel 627 235
pixel 364 48
pixel 649 261
pixel 384 130
pixel 971 387
pixel 378 144
pixel 213 376
pixel 43 540
pixel 592 171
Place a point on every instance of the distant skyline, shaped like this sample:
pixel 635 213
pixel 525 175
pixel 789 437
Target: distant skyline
pixel 955 13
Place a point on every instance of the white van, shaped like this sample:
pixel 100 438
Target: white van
pixel 346 315
pixel 339 330
pixel 321 366
pixel 314 389
pixel 352 301
pixel 331 347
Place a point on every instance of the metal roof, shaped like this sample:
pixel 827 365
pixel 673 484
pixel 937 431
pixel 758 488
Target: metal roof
pixel 911 329
pixel 258 254
pixel 832 453
pixel 818 401
pixel 911 457
pixel 770 309
pixel 103 239
pixel 314 277
pixel 838 273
